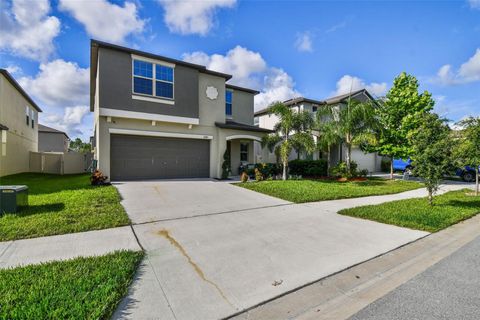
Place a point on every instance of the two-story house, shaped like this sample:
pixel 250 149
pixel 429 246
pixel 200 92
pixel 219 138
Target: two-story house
pixel 369 161
pixel 52 140
pixel 18 126
pixel 157 117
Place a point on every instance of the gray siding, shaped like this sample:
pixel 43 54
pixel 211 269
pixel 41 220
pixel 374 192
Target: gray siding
pixel 242 107
pixel 52 142
pixel 115 87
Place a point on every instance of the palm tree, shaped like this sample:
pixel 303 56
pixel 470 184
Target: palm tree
pixel 292 130
pixel 353 122
pixel 327 136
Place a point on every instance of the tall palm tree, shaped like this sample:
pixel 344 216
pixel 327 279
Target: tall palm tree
pixel 354 123
pixel 327 136
pixel 292 129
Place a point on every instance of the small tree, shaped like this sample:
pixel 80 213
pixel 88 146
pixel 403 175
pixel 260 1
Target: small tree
pixel 354 123
pixel 226 167
pixel 467 150
pixel 432 151
pixel 293 128
pixel 397 115
pixel 79 146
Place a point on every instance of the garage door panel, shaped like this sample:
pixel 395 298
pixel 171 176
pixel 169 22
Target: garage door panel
pixel 138 157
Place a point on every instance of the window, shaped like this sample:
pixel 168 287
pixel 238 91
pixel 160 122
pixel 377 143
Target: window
pixel 243 151
pixel 256 121
pixel 27 115
pixel 314 109
pixel 228 103
pixel 33 118
pixel 152 79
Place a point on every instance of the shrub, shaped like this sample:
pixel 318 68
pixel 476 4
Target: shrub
pixel 341 170
pixel 308 168
pixel 363 173
pixel 226 165
pixel 385 165
pixel 258 175
pixel 268 169
pixel 244 177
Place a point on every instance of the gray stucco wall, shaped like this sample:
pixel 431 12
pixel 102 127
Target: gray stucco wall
pixel 115 87
pixel 242 110
pixel 52 142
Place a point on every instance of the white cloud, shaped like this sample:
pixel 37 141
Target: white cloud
pixel 61 88
pixel 59 83
pixel 249 69
pixel 474 4
pixel 27 29
pixel 73 121
pixel 13 69
pixel 349 83
pixel 469 71
pixel 104 20
pixel 194 16
pixel 303 42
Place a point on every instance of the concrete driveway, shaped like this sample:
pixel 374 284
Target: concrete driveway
pixel 156 200
pixel 210 256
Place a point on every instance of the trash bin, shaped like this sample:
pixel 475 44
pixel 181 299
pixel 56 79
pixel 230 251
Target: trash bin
pixel 13 198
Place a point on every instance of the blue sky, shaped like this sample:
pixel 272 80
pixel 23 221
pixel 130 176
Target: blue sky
pixel 282 48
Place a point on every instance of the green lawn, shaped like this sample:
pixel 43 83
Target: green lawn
pixel 82 288
pixel 317 190
pixel 448 209
pixel 61 204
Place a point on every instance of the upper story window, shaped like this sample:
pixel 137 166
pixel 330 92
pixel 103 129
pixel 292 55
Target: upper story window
pixel 27 115
pixel 314 109
pixel 256 121
pixel 152 79
pixel 228 103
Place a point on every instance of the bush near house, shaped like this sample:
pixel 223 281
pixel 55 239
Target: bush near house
pixel 308 168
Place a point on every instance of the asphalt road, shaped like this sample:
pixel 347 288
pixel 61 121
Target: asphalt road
pixel 449 289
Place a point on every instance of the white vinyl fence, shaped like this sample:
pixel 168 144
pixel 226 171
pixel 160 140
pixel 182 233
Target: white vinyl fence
pixel 59 162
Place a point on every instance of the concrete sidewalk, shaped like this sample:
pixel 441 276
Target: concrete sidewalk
pixel 66 246
pixel 213 266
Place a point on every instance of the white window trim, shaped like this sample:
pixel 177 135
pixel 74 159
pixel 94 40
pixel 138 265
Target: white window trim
pixel 114 113
pixel 159 134
pixel 153 79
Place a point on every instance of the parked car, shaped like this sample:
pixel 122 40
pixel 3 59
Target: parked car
pixel 402 165
pixel 467 173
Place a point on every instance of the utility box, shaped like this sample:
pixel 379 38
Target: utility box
pixel 13 198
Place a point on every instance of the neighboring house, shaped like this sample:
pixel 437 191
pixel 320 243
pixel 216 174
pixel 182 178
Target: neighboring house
pixel 263 119
pixel 18 126
pixel 157 117
pixel 52 140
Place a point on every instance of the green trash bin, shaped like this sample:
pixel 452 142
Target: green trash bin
pixel 13 198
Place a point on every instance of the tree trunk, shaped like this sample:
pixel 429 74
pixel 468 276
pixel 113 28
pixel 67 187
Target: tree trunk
pixel 391 168
pixel 284 174
pixel 430 198
pixel 348 158
pixel 328 161
pixel 476 181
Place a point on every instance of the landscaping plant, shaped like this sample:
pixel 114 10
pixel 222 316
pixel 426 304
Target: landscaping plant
pixel 397 115
pixel 354 123
pixel 328 136
pixel 244 177
pixel 294 129
pixel 432 147
pixel 468 146
pixel 226 164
